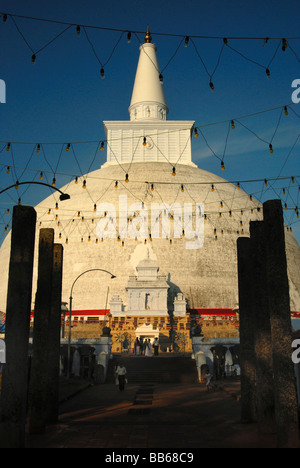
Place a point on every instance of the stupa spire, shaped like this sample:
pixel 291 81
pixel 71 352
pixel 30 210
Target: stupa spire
pixel 148 135
pixel 148 37
pixel 148 98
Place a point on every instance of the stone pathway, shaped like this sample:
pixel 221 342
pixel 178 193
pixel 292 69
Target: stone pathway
pixel 152 416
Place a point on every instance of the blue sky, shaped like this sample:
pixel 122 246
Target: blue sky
pixel 62 99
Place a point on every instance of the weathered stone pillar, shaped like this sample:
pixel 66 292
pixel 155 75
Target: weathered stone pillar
pixel 246 330
pixel 262 330
pixel 280 317
pixel 42 311
pixel 54 337
pixel 18 309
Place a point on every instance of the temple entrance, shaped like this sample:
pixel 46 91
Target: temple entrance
pixel 146 315
pixel 146 332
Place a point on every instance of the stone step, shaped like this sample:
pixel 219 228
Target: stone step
pixel 145 376
pixel 175 369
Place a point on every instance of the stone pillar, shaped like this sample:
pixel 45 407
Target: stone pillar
pixel 246 329
pixel 18 309
pixel 42 311
pixel 280 316
pixel 54 336
pixel 262 330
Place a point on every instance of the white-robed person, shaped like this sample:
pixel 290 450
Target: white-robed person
pixel 148 350
pixel 137 347
pixel 121 373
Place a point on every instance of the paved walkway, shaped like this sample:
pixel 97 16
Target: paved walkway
pixel 158 416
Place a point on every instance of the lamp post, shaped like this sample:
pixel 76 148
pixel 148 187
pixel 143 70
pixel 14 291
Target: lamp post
pixel 64 309
pixel 70 311
pixel 63 196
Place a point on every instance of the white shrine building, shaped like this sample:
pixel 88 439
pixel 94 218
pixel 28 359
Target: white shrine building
pixel 147 294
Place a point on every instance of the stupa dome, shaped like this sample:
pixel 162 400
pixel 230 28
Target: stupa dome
pixel 205 274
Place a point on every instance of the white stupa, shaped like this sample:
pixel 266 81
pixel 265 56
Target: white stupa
pixel 149 200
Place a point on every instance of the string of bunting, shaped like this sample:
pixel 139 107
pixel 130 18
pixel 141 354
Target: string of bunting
pixel 70 146
pixel 17 172
pixel 282 43
pixel 230 123
pixel 68 220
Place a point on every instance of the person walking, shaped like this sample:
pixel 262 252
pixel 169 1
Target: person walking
pixel 142 345
pixel 208 377
pixel 121 374
pixel 155 346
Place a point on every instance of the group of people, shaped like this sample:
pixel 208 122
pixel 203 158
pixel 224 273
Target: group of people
pixel 144 347
pixel 141 347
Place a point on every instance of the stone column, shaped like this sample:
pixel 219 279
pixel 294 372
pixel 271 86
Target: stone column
pixel 246 329
pixel 262 330
pixel 280 316
pixel 54 337
pixel 42 311
pixel 18 309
